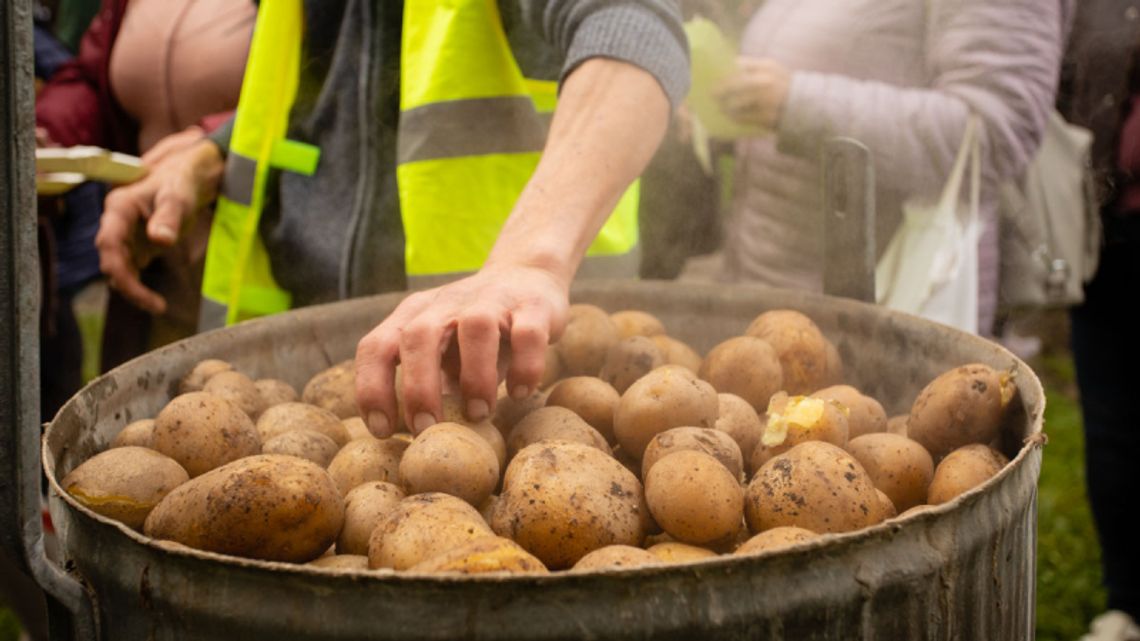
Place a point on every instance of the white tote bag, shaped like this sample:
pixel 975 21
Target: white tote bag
pixel 930 267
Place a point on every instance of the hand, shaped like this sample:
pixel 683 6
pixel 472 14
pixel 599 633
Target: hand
pixel 167 198
pixel 172 144
pixel 43 138
pixel 756 93
pixel 520 308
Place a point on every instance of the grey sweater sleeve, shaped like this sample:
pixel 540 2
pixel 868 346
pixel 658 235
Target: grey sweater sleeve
pixel 645 33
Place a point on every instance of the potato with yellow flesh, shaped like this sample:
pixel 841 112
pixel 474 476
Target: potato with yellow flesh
pixel 613 557
pixel 694 498
pixel 591 398
pixel 962 470
pixel 334 389
pixel 364 508
pixel 628 360
pixel 737 418
pixel 355 428
pixel 341 562
pixel 287 417
pixel 421 527
pixel 632 322
pixel 196 379
pixel 715 443
pixel 562 500
pixel 481 556
pixel 677 352
pixel 553 423
pixel 238 389
pixel 776 538
pixel 798 419
pixel 124 483
pixel 275 391
pixel 802 349
pixel 816 486
pixel 898 466
pixel 745 366
pixel 203 431
pixel 365 460
pixel 453 459
pixel 962 406
pixel 673 552
pixel 865 415
pixel 587 339
pixel 138 433
pixel 306 444
pixel 270 507
pixel 669 396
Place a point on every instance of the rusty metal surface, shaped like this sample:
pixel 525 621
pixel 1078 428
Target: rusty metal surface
pixel 848 219
pixel 961 571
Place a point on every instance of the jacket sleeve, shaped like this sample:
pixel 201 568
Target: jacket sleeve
pixel 999 60
pixel 645 33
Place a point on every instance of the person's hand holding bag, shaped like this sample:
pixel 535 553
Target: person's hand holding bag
pixel 756 93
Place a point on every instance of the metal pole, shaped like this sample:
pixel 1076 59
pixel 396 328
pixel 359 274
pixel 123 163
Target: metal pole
pixel 849 220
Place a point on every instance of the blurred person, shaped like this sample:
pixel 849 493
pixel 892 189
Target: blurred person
pixel 151 77
pixel 427 120
pixel 900 76
pixel 1100 90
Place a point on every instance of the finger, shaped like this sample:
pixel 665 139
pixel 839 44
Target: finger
pixel 376 356
pixel 530 334
pixel 479 334
pixel 123 278
pixel 113 241
pixel 421 348
pixel 172 206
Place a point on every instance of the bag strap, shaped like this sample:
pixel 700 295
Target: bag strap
pixel 968 152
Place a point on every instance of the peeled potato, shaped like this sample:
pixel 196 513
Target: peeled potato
pixel 796 420
pixel 865 415
pixel 962 470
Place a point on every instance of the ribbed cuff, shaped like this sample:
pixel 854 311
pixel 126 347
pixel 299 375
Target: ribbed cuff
pixel 803 123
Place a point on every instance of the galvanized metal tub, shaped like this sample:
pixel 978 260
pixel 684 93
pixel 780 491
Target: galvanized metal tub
pixel 962 571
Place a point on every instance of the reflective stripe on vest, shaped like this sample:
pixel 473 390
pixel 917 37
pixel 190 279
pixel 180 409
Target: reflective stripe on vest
pixel 238 282
pixel 472 128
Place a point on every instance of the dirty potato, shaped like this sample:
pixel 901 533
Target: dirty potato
pixel 898 466
pixel 238 389
pixel 196 379
pixel 365 460
pixel 628 360
pixel 715 443
pixel 287 417
pixel 632 322
pixel 865 415
pixel 306 444
pixel 509 410
pixel 897 424
pixel 591 398
pixel 802 349
pixel 421 527
pixel 341 562
pixel 737 418
pixel 365 506
pixel 673 552
pixel 138 433
pixel 961 406
pixel 776 538
pixel 203 431
pixel 553 423
pixel 453 459
pixel 677 352
pixel 669 396
pixel 587 339
pixel 745 366
pixel 124 483
pixel 480 556
pixel 334 389
pixel 694 498
pixel 275 391
pixel 614 557
pixel 962 470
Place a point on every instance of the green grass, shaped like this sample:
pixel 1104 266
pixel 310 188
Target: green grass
pixel 9 627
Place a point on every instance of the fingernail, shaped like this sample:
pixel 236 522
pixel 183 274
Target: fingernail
pixel 520 392
pixel 477 409
pixel 164 233
pixel 378 425
pixel 422 421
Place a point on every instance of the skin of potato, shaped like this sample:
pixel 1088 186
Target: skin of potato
pixel 334 389
pixel 673 552
pixel 865 415
pixel 453 459
pixel 270 507
pixel 776 538
pixel 509 411
pixel 364 508
pixel 628 360
pixel 591 398
pixel 124 483
pixel 814 485
pixel 553 369
pixel 667 397
pixel 745 366
pixel 306 444
pixel 365 460
pixel 737 418
pixel 275 391
pixel 562 500
pixel 694 497
pixel 355 427
pixel 962 470
pixel 615 556
pixel 196 379
pixel 800 346
pixel 287 417
pixel 678 353
pixel 832 427
pixel 886 505
pixel 487 554
pixel 587 339
pixel 139 433
pixel 962 406
pixel 421 527
pixel 342 562
pixel 238 389
pixel 899 467
pixel 713 442
pixel 553 423
pixel 633 322
pixel 203 431
pixel 452 407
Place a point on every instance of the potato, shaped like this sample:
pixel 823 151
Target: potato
pixel 632 322
pixel 962 406
pixel 897 424
pixel 421 527
pixel 776 538
pixel 238 389
pixel 365 506
pixel 287 417
pixel 557 423
pixel 694 497
pixel 453 459
pixel 669 396
pixel 488 508
pixel 962 470
pixel 628 360
pixel 886 505
pixel 592 399
pixel 614 557
pixel 737 418
pixel 487 554
pixel 270 507
pixel 509 411
pixel 355 428
pixel 365 460
pixel 587 339
pixel 341 562
pixel 678 353
pixel 898 466
pixel 196 379
pixel 203 431
pixel 452 413
pixel 865 415
pixel 138 433
pixel 715 443
pixel 124 483
pixel 562 500
pixel 334 389
pixel 745 366
pixel 552 370
pixel 796 420
pixel 801 347
pixel 671 552
pixel 275 391
pixel 306 444
pixel 814 485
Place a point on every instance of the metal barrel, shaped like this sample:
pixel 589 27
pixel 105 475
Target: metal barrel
pixel 964 570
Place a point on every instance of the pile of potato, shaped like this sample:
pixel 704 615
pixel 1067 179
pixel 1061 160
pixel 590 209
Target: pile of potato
pixel 636 451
